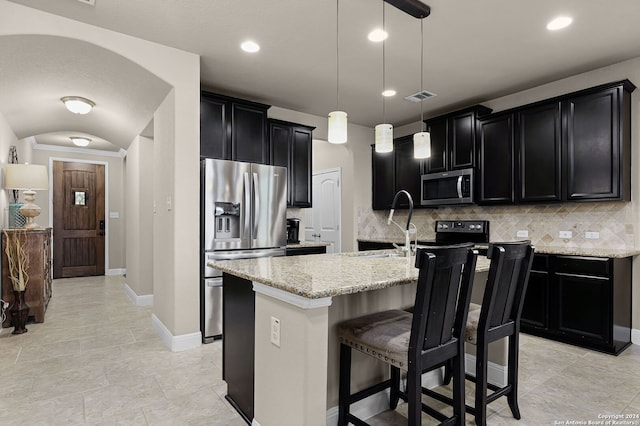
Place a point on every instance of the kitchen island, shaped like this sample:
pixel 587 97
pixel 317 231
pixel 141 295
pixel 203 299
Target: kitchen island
pixel 295 380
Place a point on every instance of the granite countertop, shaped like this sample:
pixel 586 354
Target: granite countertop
pixel 303 244
pixel 541 249
pixel 324 275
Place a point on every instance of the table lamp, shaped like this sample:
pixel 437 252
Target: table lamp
pixel 29 178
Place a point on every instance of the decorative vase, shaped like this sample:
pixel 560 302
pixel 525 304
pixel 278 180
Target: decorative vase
pixel 19 313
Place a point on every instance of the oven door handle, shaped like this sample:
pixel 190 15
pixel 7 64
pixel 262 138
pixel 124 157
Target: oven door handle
pixel 459 186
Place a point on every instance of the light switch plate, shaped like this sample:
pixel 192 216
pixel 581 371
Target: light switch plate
pixel 522 234
pixel 592 235
pixel 275 331
pixel 565 234
pixel 114 215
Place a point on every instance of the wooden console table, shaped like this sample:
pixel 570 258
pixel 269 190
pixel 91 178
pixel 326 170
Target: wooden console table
pixel 38 293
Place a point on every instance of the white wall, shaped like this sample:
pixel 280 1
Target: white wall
pixel 7 138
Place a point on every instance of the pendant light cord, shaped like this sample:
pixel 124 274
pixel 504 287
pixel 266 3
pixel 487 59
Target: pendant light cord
pixel 383 61
pixel 337 54
pixel 422 127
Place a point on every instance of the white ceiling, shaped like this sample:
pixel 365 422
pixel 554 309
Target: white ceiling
pixel 474 51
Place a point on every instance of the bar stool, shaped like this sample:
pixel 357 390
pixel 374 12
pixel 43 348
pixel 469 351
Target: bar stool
pixel 418 342
pixel 497 317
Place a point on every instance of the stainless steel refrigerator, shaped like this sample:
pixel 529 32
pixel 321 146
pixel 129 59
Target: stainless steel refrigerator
pixel 243 215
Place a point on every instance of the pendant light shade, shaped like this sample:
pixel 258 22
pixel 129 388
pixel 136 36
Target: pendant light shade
pixel 422 145
pixel 384 138
pixel 337 127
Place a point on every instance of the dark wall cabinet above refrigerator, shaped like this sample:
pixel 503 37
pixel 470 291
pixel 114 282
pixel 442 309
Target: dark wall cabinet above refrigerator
pixel 233 129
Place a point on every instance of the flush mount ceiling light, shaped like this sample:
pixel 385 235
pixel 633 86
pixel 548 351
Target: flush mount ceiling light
pixel 378 35
pixel 337 120
pixel 389 92
pixel 78 141
pixel 559 23
pixel 250 46
pixel 77 104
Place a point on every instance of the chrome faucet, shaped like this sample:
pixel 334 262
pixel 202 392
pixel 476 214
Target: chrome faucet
pixel 407 240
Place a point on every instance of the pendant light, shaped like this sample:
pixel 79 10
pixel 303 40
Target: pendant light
pixel 421 140
pixel 337 124
pixel 383 132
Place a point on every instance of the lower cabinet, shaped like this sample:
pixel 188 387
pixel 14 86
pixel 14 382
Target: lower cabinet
pixel 300 251
pixel 584 301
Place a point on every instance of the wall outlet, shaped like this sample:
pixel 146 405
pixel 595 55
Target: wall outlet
pixel 565 234
pixel 592 235
pixel 522 234
pixel 275 331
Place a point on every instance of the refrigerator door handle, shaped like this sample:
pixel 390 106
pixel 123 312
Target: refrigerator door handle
pixel 216 282
pixel 256 205
pixel 247 202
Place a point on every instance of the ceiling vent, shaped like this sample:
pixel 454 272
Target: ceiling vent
pixel 89 2
pixel 420 96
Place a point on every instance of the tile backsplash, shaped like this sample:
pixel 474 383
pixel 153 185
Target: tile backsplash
pixel 614 221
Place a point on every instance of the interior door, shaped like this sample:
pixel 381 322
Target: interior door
pixel 322 221
pixel 78 219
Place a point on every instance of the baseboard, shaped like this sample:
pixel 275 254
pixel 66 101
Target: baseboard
pixel 376 404
pixel 116 271
pixel 175 343
pixel 496 373
pixel 635 336
pixel 144 300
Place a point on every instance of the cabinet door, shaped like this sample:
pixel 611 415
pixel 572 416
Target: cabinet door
pixel 406 171
pixel 439 146
pixel 495 160
pixel 462 140
pixel 301 167
pixel 383 179
pixel 214 130
pixel 539 143
pixel 248 138
pixel 535 311
pixel 584 307
pixel 593 146
pixel 280 150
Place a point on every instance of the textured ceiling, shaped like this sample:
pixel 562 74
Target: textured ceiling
pixel 474 51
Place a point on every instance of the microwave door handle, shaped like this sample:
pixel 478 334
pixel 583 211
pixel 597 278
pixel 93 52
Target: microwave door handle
pixel 459 186
pixel 256 205
pixel 247 203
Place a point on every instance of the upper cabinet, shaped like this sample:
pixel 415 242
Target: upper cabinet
pixel 233 129
pixel 598 143
pixel 495 160
pixel 291 147
pixel 453 139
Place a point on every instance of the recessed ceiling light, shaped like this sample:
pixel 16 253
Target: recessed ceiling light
pixel 389 92
pixel 78 141
pixel 77 104
pixel 559 23
pixel 378 35
pixel 250 46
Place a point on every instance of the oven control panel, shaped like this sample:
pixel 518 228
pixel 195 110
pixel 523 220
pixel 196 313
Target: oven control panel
pixel 462 226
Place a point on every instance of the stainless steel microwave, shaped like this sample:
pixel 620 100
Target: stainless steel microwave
pixel 454 187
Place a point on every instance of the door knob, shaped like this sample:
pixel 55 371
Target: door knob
pixel 315 235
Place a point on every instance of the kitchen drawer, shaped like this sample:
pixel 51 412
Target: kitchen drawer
pixel 592 266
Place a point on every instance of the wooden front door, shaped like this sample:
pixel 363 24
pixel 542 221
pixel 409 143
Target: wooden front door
pixel 78 219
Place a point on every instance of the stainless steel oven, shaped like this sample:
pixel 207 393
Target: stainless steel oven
pixel 454 187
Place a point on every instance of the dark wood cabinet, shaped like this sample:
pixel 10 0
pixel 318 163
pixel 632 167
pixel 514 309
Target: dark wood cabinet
pixel 393 171
pixel 233 129
pixel 584 301
pixel 453 139
pixel 305 250
pixel 291 147
pixel 37 245
pixel 495 160
pixel 539 147
pixel 598 143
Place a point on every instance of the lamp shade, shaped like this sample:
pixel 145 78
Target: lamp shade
pixel 337 132
pixel 384 138
pixel 422 145
pixel 26 177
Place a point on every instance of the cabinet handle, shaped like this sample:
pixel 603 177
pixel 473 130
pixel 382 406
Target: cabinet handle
pixel 315 235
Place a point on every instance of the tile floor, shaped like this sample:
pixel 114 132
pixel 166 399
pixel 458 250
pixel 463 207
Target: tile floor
pixel 97 361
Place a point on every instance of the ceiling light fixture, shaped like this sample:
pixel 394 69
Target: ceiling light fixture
pixel 383 132
pixel 250 46
pixel 422 139
pixel 378 35
pixel 559 23
pixel 337 120
pixel 389 92
pixel 79 141
pixel 77 104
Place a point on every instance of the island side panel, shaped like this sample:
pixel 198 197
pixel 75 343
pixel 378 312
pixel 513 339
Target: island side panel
pixel 290 380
